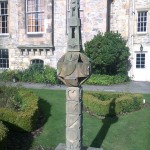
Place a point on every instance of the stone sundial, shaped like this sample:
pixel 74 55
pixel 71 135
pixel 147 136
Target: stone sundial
pixel 73 69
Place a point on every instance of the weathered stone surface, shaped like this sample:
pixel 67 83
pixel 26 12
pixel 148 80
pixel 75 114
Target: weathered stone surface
pixel 63 147
pixel 73 118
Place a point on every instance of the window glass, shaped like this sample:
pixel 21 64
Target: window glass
pixel 142 21
pixel 3 17
pixel 140 60
pixel 37 61
pixel 4 59
pixel 35 15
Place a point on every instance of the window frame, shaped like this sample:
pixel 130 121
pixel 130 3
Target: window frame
pixel 41 62
pixel 36 24
pixel 140 27
pixel 2 59
pixel 140 61
pixel 4 23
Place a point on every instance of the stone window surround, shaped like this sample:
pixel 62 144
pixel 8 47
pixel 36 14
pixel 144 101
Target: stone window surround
pixel 141 10
pixel 25 50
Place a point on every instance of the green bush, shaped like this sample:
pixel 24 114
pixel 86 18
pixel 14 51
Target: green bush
pixel 3 136
pixel 7 75
pixel 97 79
pixel 108 53
pixel 35 73
pixel 25 118
pixel 9 98
pixel 111 104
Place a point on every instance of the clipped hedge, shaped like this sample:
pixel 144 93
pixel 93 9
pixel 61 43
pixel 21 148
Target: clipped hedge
pixel 24 119
pixel 3 136
pixel 111 104
pixel 97 79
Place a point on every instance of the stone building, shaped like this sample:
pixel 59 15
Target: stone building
pixel 35 31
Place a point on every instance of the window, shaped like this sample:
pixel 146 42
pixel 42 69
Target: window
pixel 35 16
pixel 142 21
pixel 37 61
pixel 140 60
pixel 3 17
pixel 4 60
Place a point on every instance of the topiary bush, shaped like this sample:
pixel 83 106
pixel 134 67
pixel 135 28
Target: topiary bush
pixel 97 79
pixel 111 104
pixel 108 53
pixel 24 117
pixel 3 136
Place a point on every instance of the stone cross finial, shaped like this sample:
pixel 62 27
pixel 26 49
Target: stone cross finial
pixel 74 36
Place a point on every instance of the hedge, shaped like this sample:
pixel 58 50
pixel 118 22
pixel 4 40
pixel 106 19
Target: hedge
pixel 111 104
pixel 97 79
pixel 25 119
pixel 3 136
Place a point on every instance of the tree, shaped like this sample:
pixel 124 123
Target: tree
pixel 108 53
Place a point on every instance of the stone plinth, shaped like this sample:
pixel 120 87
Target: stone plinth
pixel 63 147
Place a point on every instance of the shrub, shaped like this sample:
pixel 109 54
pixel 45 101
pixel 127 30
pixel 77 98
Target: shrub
pixel 108 53
pixel 24 119
pixel 35 73
pixel 3 136
pixel 97 79
pixel 111 104
pixel 7 75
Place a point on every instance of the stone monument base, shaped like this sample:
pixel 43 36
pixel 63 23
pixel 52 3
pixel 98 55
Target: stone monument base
pixel 63 147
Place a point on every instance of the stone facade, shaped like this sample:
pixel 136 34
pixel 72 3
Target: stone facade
pixel 24 47
pixel 124 19
pixel 96 16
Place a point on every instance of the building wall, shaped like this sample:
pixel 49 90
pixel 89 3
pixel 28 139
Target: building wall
pixel 123 18
pixel 119 18
pixel 52 44
pixel 93 20
pixel 24 47
pixel 141 39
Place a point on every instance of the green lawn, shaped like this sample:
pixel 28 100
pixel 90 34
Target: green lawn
pixel 129 132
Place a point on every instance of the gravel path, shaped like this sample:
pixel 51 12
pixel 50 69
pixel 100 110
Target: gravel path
pixel 133 87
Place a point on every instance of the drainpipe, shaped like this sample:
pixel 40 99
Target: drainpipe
pixel 108 15
pixel 53 47
pixel 132 35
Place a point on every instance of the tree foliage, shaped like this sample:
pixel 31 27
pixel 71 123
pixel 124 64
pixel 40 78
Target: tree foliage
pixel 108 53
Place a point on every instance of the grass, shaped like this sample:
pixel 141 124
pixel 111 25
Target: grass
pixel 129 132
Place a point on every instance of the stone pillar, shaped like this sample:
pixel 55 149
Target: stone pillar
pixel 74 118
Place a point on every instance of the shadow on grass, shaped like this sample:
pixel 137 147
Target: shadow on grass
pixel 110 119
pixel 23 140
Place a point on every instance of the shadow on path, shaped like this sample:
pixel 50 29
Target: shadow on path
pixel 110 119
